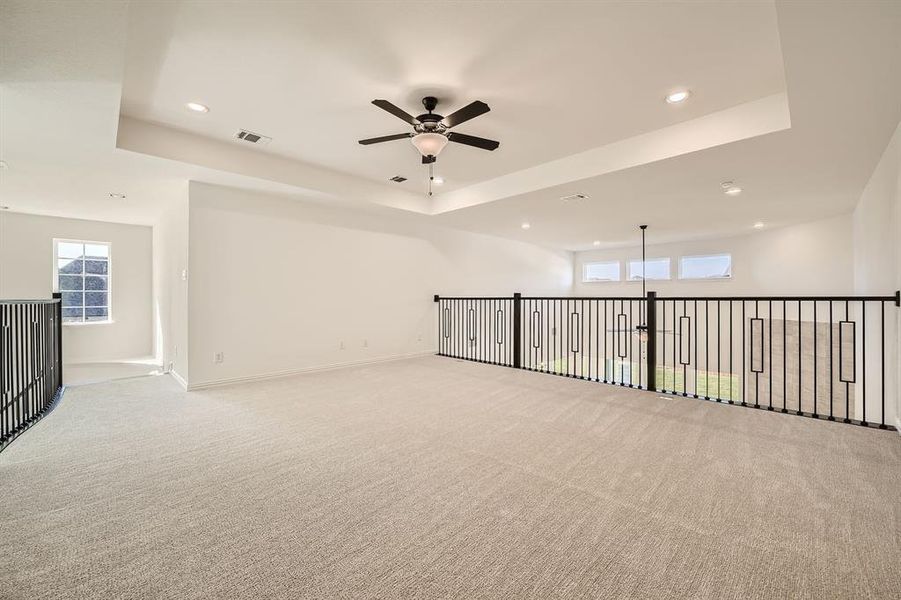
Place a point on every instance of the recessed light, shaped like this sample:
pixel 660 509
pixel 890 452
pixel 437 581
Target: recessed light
pixel 526 225
pixel 437 180
pixel 596 243
pixel 117 195
pixel 198 107
pixel 759 225
pixel 677 97
pixel 733 190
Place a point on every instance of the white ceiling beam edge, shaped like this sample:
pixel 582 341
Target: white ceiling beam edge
pixel 311 182
pixel 748 120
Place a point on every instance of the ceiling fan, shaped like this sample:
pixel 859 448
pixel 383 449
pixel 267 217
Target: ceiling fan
pixel 430 130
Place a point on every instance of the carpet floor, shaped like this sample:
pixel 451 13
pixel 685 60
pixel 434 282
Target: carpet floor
pixel 436 478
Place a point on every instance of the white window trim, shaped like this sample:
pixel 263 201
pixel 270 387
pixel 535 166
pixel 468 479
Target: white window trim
pixel 669 271
pixel 619 271
pixel 712 255
pixel 109 274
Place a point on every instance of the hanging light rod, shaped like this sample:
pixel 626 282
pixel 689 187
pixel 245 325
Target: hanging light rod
pixel 643 327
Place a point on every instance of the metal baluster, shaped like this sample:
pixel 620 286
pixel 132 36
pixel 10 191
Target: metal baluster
pixel 719 352
pixel 784 356
pixel 770 315
pixel 831 377
pixel 863 356
pixel 882 369
pixel 816 350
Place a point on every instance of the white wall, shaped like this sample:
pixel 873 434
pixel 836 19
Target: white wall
pixel 26 271
pixel 877 266
pixel 278 285
pixel 170 286
pixel 810 258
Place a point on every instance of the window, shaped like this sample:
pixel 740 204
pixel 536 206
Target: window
pixel 81 273
pixel 600 271
pixel 715 266
pixel 655 269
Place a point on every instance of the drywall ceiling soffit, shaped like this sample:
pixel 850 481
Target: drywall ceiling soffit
pixel 568 83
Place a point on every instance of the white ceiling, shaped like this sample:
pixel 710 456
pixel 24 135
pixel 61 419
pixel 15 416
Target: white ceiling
pixel 567 82
pixel 560 77
pixel 844 88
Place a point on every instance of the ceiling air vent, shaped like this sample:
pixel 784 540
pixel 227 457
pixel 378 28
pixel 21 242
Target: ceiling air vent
pixel 251 137
pixel 397 179
pixel 574 197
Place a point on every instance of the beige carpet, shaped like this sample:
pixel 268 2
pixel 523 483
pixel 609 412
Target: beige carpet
pixel 434 478
pixel 96 372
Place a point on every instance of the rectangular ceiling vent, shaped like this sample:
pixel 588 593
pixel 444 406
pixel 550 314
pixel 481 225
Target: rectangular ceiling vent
pixel 574 197
pixel 397 179
pixel 251 137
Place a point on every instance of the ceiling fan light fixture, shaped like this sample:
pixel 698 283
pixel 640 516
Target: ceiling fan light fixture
pixel 429 144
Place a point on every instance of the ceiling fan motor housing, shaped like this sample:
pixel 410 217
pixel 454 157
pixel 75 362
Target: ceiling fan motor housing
pixel 430 102
pixel 430 130
pixel 430 122
pixel 430 125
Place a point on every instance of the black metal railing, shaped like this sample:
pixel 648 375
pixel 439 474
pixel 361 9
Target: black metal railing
pixel 479 329
pixel 818 356
pixel 823 357
pixel 30 362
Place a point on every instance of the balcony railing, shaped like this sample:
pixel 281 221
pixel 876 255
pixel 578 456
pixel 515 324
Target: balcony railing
pixel 30 363
pixel 828 357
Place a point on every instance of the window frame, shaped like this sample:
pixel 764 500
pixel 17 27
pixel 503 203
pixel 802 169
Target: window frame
pixel 712 255
pixel 109 279
pixel 619 271
pixel 669 269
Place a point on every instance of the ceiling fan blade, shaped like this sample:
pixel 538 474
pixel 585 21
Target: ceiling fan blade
pixel 470 111
pixel 386 138
pixel 397 112
pixel 471 140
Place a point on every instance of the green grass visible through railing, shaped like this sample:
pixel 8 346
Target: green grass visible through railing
pixel 706 384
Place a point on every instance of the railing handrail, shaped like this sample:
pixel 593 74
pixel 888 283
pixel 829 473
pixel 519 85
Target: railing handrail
pixel 785 298
pixel 437 298
pixel 32 301
pixel 843 298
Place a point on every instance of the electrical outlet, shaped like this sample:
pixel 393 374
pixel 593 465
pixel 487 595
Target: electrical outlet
pixel 365 343
pixel 218 357
pixel 184 274
pixel 341 345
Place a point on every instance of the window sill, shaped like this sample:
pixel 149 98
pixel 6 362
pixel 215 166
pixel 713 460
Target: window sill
pixel 86 323
pixel 705 279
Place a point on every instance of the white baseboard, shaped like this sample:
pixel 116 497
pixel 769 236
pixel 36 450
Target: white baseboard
pixel 288 372
pixel 146 360
pixel 181 381
pixel 898 424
